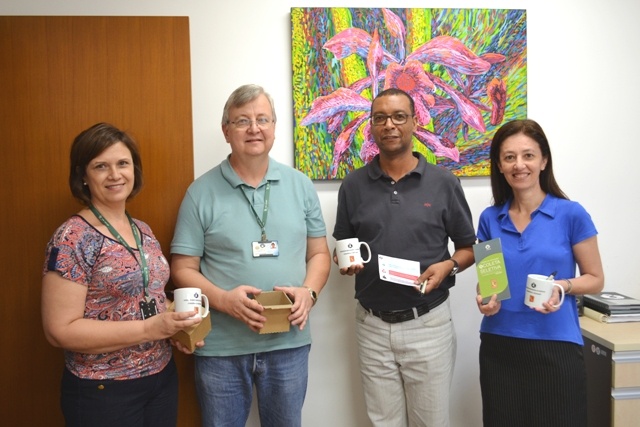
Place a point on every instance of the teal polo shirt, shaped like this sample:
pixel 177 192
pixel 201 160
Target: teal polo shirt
pixel 217 224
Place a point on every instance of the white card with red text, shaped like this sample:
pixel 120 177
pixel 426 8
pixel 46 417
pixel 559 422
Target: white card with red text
pixel 398 270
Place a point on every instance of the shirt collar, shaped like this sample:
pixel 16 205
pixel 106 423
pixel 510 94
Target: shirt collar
pixel 273 173
pixel 547 207
pixel 375 171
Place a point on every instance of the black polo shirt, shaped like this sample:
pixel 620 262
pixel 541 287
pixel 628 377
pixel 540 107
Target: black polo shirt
pixel 412 219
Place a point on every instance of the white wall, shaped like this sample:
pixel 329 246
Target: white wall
pixel 582 88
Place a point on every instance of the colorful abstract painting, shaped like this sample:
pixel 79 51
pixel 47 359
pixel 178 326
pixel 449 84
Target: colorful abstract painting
pixel 466 70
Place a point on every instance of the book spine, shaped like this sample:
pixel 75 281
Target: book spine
pixel 596 305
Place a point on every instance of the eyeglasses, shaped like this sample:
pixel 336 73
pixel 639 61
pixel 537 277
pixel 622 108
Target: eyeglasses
pixel 261 122
pixel 396 118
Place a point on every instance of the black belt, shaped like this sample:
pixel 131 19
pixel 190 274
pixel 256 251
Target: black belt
pixel 398 316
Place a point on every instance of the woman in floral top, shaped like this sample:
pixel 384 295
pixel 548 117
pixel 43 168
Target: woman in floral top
pixel 103 297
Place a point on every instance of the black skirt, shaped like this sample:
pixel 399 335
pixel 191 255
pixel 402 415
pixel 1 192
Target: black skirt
pixel 532 382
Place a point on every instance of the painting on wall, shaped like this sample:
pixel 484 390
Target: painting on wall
pixel 466 70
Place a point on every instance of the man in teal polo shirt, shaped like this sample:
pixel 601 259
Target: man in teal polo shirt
pixel 249 225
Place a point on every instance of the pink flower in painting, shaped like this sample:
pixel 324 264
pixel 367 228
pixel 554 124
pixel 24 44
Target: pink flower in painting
pixel 332 109
pixel 412 79
pixel 497 91
pixel 408 73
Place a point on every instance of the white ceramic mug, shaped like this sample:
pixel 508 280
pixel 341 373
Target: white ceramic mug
pixel 539 290
pixel 190 299
pixel 348 252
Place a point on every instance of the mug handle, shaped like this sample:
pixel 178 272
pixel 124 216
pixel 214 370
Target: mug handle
pixel 562 297
pixel 368 251
pixel 205 300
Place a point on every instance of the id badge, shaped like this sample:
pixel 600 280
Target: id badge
pixel 268 248
pixel 148 308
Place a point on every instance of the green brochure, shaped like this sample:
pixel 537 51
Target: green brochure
pixel 492 273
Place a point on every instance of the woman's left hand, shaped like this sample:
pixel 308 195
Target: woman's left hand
pixel 491 307
pixel 552 305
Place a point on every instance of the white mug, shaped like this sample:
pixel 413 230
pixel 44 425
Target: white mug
pixel 348 252
pixel 190 299
pixel 539 290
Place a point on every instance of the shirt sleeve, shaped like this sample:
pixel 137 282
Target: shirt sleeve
pixel 72 252
pixel 314 219
pixel 460 223
pixel 581 226
pixel 483 227
pixel 343 228
pixel 188 237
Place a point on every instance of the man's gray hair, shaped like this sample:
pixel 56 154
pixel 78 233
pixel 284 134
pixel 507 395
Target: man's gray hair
pixel 243 95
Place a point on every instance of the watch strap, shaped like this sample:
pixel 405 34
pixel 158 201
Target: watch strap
pixel 455 268
pixel 314 294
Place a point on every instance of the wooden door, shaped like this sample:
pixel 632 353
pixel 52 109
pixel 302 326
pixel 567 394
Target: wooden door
pixel 58 76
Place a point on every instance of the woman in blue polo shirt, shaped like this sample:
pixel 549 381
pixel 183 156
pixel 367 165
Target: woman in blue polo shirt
pixel 532 370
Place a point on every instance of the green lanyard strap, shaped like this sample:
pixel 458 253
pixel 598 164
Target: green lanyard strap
pixel 261 222
pixel 142 262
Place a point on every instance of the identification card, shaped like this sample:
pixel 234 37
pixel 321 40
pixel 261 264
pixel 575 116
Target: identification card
pixel 148 308
pixel 268 248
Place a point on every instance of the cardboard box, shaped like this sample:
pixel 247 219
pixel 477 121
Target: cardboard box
pixel 191 335
pixel 277 309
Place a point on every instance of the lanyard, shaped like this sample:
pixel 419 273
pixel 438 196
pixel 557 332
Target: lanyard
pixel 142 262
pixel 261 222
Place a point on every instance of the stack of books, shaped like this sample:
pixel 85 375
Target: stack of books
pixel 611 307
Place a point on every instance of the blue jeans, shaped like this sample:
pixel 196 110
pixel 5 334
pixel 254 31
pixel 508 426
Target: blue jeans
pixel 225 387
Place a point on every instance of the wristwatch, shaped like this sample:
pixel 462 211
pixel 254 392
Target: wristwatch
pixel 455 268
pixel 314 295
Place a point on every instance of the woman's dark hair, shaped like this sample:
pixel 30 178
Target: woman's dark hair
pixel 88 145
pixel 501 190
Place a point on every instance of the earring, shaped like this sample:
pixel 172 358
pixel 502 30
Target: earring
pixel 84 183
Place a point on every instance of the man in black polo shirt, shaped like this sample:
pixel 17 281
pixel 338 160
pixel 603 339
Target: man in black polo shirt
pixel 406 210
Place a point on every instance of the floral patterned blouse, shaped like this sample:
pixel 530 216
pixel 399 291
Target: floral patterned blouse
pixel 113 278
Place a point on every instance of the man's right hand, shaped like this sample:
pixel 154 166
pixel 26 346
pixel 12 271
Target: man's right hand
pixel 237 303
pixel 349 271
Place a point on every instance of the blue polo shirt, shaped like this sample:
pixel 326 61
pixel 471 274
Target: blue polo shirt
pixel 217 224
pixel 412 219
pixel 545 246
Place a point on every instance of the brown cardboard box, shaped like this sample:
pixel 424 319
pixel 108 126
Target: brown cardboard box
pixel 277 309
pixel 191 335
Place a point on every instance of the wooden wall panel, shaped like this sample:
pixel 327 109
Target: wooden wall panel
pixel 58 76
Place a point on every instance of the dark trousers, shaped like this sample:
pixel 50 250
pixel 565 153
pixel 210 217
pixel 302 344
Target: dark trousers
pixel 532 383
pixel 143 402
